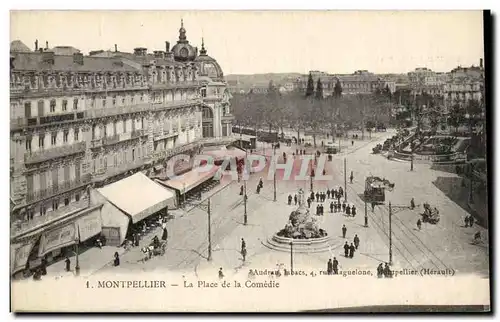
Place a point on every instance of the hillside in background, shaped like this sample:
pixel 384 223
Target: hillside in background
pixel 261 79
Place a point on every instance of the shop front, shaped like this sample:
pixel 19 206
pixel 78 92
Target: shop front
pixel 130 205
pixel 192 183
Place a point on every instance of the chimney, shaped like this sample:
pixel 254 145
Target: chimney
pixel 159 54
pixel 169 56
pixel 78 58
pixel 36 45
pixel 481 63
pixel 48 57
pixel 167 46
pixel 140 51
pixel 47 45
pixel 116 48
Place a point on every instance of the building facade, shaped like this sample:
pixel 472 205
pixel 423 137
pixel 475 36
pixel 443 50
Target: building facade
pixel 360 82
pixel 80 122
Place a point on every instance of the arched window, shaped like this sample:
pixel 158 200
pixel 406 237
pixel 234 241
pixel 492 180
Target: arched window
pixel 207 113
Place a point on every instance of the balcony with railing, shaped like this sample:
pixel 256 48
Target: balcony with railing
pixel 117 138
pixel 20 226
pixel 118 110
pixel 57 189
pixel 57 152
pixel 175 104
pixel 110 172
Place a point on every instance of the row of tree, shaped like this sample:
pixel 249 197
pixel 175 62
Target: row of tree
pixel 314 112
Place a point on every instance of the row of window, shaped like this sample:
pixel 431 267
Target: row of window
pixel 42 209
pixel 53 139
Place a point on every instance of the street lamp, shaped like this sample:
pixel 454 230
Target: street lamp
pixel 274 176
pixel 245 217
pixel 77 250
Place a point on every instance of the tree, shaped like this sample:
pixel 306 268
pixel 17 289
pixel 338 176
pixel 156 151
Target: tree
pixel 337 90
pixel 456 116
pixel 319 90
pixel 310 86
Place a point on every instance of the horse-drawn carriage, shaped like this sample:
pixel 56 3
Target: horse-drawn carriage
pixel 377 149
pixel 430 215
pixel 155 248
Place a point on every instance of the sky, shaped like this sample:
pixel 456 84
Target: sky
pixel 252 42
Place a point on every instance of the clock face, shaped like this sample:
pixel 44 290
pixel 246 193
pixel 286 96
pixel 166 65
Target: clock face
pixel 184 52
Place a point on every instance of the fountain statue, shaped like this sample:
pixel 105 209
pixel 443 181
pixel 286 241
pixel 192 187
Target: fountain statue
pixel 301 223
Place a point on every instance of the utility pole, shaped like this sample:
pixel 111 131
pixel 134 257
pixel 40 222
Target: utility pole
pixel 274 177
pixel 366 213
pixel 345 179
pixel 245 197
pixel 77 266
pixel 390 233
pixel 291 255
pixel 209 258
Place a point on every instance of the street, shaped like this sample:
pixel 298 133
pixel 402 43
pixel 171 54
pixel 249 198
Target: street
pixel 447 245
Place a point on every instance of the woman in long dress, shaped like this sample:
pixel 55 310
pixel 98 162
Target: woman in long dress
pixel 164 236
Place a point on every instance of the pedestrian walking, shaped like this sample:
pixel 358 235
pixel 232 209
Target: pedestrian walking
pixel 343 206
pixel 346 250
pixel 387 271
pixel 261 183
pixel 317 210
pixel 419 224
pixel 351 177
pixel 412 204
pixel 471 221
pixel 164 235
pixel 317 196
pixel 290 200
pixel 329 267
pixel 221 274
pixel 243 244
pixel 258 189
pixel 348 210
pixel 328 193
pixel 308 202
pixel 353 210
pixel 335 266
pixel 351 251
pixel 333 192
pixel 68 264
pixel 312 196
pixel 344 231
pixel 356 241
pixel 331 207
pixel 322 209
pixel 373 206
pixel 295 199
pixel 116 261
pixel 244 253
pixel 380 270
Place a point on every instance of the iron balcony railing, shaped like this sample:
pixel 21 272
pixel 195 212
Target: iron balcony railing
pixel 109 172
pixel 57 189
pixel 47 154
pixel 21 225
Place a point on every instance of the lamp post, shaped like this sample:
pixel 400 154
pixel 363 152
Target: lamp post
pixel 366 213
pixel 291 255
pixel 345 179
pixel 468 117
pixel 209 257
pixel 77 250
pixel 245 216
pixel 274 176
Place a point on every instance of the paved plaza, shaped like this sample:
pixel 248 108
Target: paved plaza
pixel 447 245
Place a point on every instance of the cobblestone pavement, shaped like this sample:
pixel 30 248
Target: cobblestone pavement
pixel 445 245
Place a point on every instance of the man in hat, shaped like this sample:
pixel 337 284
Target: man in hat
pixel 346 249
pixel 356 241
pixel 329 267
pixel 335 266
pixel 344 231
pixel 351 251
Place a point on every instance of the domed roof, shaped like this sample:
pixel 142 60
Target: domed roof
pixel 208 66
pixel 183 51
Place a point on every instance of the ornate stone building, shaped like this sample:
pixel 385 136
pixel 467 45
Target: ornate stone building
pixel 80 122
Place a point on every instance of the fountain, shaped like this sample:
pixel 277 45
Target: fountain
pixel 302 230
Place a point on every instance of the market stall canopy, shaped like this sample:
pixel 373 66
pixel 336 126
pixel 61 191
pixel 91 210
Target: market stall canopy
pixel 190 179
pixel 137 196
pixel 223 154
